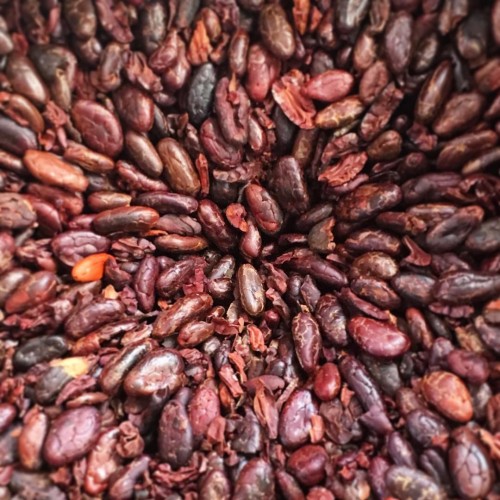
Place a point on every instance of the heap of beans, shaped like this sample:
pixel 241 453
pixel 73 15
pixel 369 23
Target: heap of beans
pixel 249 249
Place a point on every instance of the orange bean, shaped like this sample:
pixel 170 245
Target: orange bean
pixel 90 268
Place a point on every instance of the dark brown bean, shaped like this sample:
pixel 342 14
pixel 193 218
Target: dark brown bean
pixel 134 107
pixel 175 435
pixel 31 439
pixel 327 382
pixel 289 185
pixel 256 480
pixel 434 93
pixel 85 319
pixel 398 41
pixel 308 464
pixel 15 138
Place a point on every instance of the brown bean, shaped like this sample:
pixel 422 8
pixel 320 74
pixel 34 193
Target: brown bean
pixel 461 111
pixel 16 212
pixel 71 435
pixel 449 395
pixel 100 129
pixel 184 310
pixel 37 289
pixel 251 290
pixel 52 170
pixel 117 368
pixel 308 464
pixel 377 338
pixel 327 382
pixel 276 31
pixel 159 370
pixel 178 167
pixel 307 340
pixel 125 219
